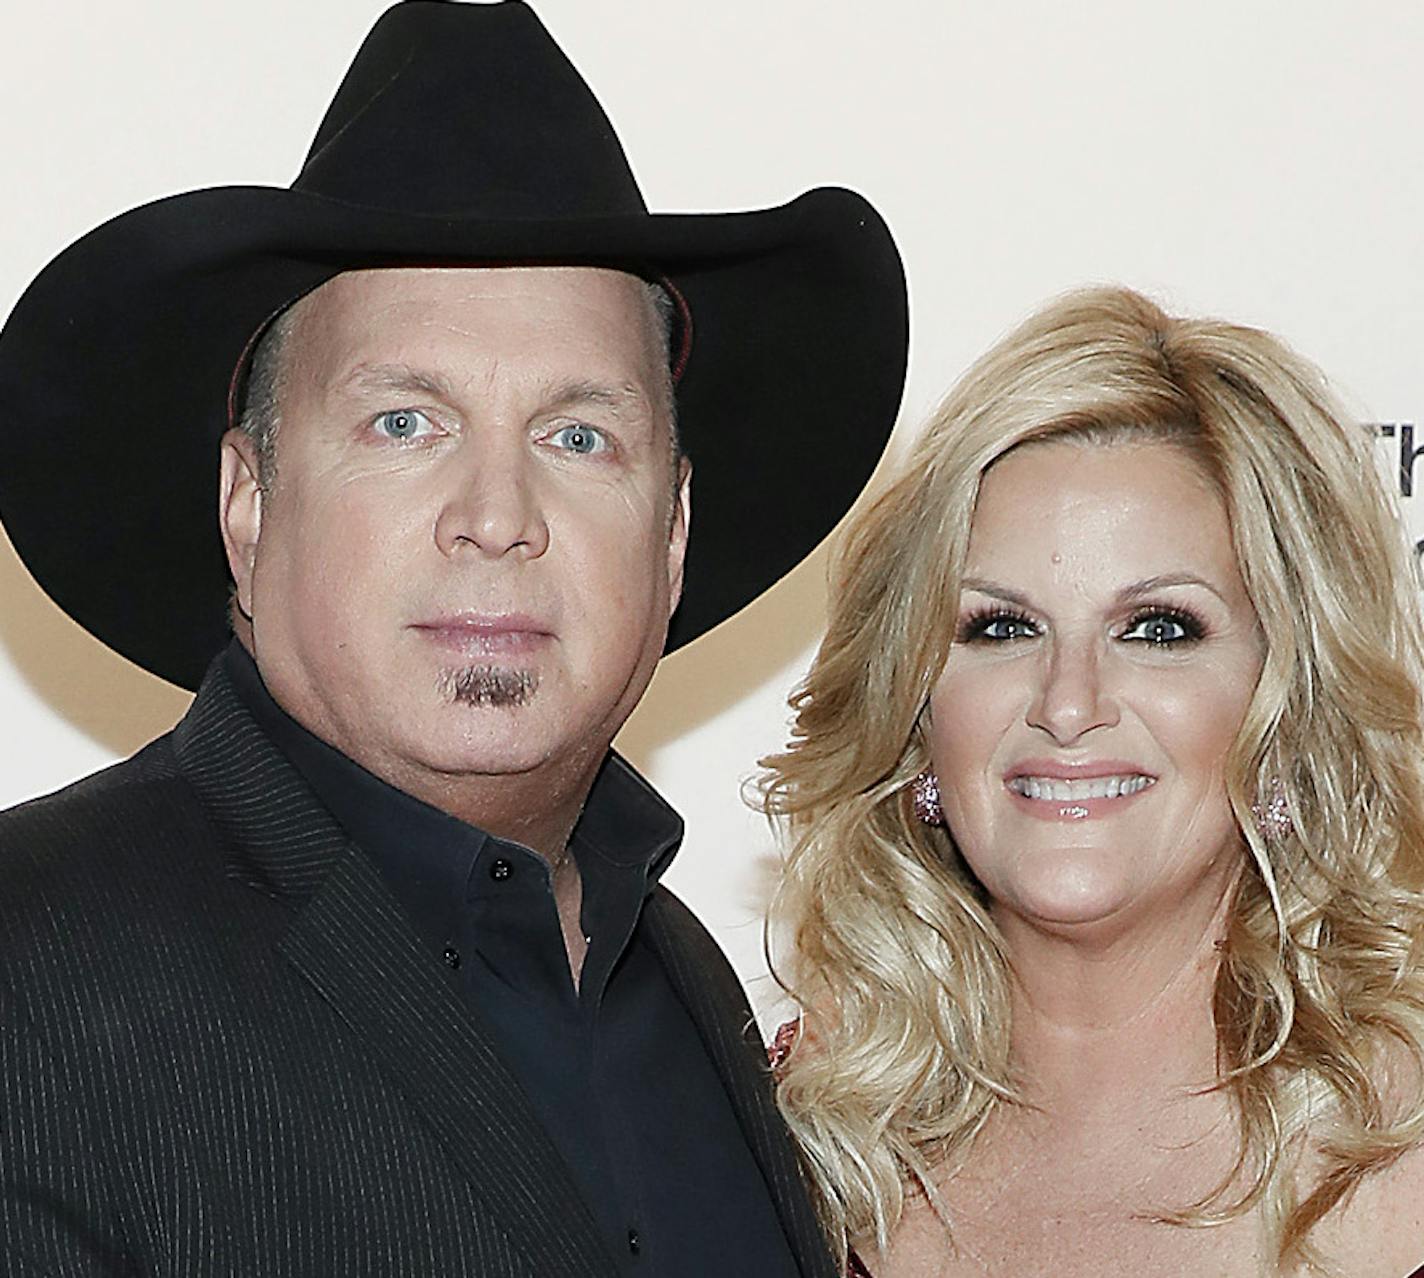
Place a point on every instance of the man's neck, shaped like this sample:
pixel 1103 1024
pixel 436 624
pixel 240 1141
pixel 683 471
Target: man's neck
pixel 538 809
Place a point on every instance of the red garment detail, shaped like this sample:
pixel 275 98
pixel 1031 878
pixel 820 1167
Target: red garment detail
pixel 781 1045
pixel 777 1051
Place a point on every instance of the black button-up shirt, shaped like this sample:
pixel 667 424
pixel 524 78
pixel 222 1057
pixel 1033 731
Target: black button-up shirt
pixel 615 1068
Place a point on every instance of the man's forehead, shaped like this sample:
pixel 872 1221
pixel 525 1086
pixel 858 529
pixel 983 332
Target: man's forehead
pixel 572 335
pixel 582 316
pixel 367 293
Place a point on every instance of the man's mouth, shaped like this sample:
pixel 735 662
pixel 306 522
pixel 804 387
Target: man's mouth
pixel 484 635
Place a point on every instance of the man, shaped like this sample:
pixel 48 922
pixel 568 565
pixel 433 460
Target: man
pixel 364 968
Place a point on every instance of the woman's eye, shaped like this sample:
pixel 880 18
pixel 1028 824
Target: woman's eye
pixel 578 438
pixel 999 627
pixel 1006 628
pixel 404 423
pixel 1163 629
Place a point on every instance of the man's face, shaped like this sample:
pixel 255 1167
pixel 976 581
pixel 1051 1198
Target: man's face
pixel 474 540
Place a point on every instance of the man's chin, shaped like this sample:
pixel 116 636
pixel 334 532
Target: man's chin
pixel 504 741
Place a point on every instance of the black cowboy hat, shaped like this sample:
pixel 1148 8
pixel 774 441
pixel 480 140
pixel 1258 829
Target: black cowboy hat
pixel 461 134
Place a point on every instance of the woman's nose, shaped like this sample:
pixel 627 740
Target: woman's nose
pixel 1070 698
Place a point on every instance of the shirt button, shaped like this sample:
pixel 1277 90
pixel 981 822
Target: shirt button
pixel 635 1244
pixel 451 956
pixel 500 869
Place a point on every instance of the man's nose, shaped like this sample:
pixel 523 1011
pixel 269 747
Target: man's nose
pixel 491 504
pixel 1071 697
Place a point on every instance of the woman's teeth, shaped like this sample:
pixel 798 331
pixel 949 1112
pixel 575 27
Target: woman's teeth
pixel 1056 790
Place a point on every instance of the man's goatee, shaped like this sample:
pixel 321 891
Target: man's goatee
pixel 489 686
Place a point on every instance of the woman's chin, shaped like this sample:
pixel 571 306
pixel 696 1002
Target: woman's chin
pixel 1066 893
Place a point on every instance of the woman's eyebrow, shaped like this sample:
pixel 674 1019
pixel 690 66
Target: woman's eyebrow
pixel 983 586
pixel 1134 590
pixel 1148 584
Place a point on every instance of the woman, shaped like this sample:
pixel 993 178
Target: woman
pixel 1105 789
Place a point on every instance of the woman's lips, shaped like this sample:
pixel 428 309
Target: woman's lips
pixel 1075 794
pixel 1059 790
pixel 482 636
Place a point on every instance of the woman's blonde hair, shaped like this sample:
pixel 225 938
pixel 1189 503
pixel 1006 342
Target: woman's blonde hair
pixel 1319 1002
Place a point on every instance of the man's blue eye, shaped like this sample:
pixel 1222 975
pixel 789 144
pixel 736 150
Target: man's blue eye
pixel 579 439
pixel 404 423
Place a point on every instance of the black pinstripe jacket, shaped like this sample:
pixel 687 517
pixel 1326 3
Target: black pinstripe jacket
pixel 223 1050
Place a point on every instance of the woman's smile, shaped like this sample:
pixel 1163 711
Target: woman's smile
pixel 1092 790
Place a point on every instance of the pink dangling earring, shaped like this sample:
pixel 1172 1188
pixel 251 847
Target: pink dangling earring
pixel 924 793
pixel 1273 818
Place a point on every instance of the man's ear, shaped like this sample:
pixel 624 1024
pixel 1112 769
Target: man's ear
pixel 240 512
pixel 678 530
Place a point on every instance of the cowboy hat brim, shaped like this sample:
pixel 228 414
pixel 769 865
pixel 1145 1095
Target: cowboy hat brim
pixel 792 386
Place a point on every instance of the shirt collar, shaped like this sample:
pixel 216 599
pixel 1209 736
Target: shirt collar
pixel 426 853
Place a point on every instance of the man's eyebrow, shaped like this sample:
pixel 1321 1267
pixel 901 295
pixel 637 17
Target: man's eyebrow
pixel 399 377
pixel 616 398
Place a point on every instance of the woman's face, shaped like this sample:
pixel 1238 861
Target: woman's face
pixel 1104 657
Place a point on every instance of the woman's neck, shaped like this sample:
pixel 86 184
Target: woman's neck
pixel 1113 1016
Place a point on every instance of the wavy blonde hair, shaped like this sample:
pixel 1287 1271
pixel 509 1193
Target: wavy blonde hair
pixel 1320 993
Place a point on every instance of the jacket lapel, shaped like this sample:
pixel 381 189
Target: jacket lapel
pixel 353 944
pixel 718 1007
pixel 351 941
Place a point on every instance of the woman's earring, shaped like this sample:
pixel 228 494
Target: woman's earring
pixel 1273 818
pixel 924 792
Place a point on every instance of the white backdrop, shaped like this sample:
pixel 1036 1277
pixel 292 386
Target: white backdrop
pixel 1251 159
